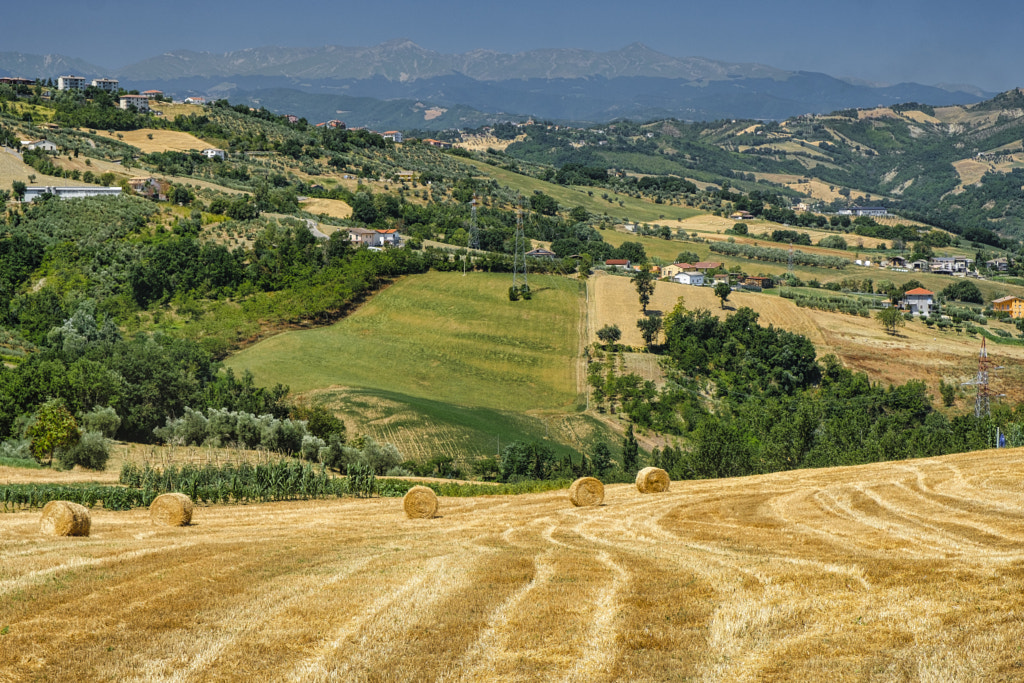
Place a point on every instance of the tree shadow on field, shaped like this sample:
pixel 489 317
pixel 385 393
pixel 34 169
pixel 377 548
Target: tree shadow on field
pixel 652 313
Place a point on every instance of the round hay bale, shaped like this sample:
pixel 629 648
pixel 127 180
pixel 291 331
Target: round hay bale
pixel 652 480
pixel 420 502
pixel 61 518
pixel 586 491
pixel 171 509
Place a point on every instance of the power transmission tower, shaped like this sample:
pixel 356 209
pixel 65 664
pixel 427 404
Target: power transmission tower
pixel 474 231
pixel 519 255
pixel 983 400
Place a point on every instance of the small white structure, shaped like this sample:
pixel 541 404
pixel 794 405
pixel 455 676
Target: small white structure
pixel 140 102
pixel 690 277
pixel 44 145
pixel 71 83
pixel 34 192
pixel 106 84
pixel 393 135
pixel 195 100
pixel 214 153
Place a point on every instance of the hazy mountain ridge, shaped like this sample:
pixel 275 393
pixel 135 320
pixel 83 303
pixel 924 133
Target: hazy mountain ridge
pixel 23 65
pixel 404 60
pixel 569 85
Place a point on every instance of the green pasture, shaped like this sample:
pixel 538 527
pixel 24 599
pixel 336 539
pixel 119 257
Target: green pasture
pixel 632 209
pixel 444 336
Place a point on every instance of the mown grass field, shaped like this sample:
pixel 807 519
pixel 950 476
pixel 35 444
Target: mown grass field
pixel 568 197
pixel 442 336
pixel 909 571
pixel 444 364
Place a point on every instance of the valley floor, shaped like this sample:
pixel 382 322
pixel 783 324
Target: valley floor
pixel 911 570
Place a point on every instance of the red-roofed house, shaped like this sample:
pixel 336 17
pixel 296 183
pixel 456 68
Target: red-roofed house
pixel 704 266
pixel 387 238
pixel 1011 304
pixel 152 94
pixel 919 301
pixel 617 263
pixel 393 135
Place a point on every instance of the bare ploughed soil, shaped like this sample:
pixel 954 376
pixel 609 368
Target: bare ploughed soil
pixel 911 570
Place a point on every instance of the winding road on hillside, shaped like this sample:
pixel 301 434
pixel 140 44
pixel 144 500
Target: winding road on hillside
pixel 909 570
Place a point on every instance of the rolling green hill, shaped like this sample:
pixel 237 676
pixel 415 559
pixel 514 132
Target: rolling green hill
pixel 442 363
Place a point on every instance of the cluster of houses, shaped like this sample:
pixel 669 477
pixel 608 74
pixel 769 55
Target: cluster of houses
pixel 374 239
pixel 944 265
pixel 697 274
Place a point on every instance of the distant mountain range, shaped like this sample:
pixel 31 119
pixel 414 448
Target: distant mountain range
pixel 562 84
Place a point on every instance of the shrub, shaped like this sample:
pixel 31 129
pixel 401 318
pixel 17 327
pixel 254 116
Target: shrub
pixel 106 421
pixel 91 452
pixel 16 449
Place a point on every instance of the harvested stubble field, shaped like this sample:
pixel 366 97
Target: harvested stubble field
pixel 911 570
pixel 918 352
pixel 150 140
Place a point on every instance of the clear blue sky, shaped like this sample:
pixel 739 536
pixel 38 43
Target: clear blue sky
pixel 927 41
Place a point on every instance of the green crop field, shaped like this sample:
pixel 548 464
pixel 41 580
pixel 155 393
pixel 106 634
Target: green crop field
pixel 443 363
pixel 632 209
pixel 444 336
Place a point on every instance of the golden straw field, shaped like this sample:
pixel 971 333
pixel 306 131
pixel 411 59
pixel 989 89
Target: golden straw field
pixel 910 571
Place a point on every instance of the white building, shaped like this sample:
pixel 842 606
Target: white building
pixel 106 84
pixel 690 277
pixel 214 153
pixel 195 100
pixel 44 145
pixel 34 192
pixel 140 102
pixel 71 83
pixel 393 135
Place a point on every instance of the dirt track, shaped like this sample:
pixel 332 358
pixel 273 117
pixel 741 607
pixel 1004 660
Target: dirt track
pixel 899 571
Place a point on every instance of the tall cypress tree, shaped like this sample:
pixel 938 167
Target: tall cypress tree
pixel 630 451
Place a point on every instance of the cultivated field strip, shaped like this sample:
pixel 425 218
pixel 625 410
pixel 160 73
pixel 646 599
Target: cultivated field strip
pixel 911 570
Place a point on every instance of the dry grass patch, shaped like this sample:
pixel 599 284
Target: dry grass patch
pixel 150 140
pixel 335 208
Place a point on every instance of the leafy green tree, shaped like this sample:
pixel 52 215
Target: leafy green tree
pixel 18 188
pixel 739 229
pixel 722 291
pixel 964 290
pixel 650 327
pixel 630 451
pixel 609 334
pixel 364 209
pixel 948 392
pixel 579 214
pixel 891 319
pixel 54 428
pixel 643 281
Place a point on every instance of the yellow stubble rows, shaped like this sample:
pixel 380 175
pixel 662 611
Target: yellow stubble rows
pixel 910 570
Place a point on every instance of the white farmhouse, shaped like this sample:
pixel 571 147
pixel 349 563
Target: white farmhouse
pixel 214 153
pixel 690 277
